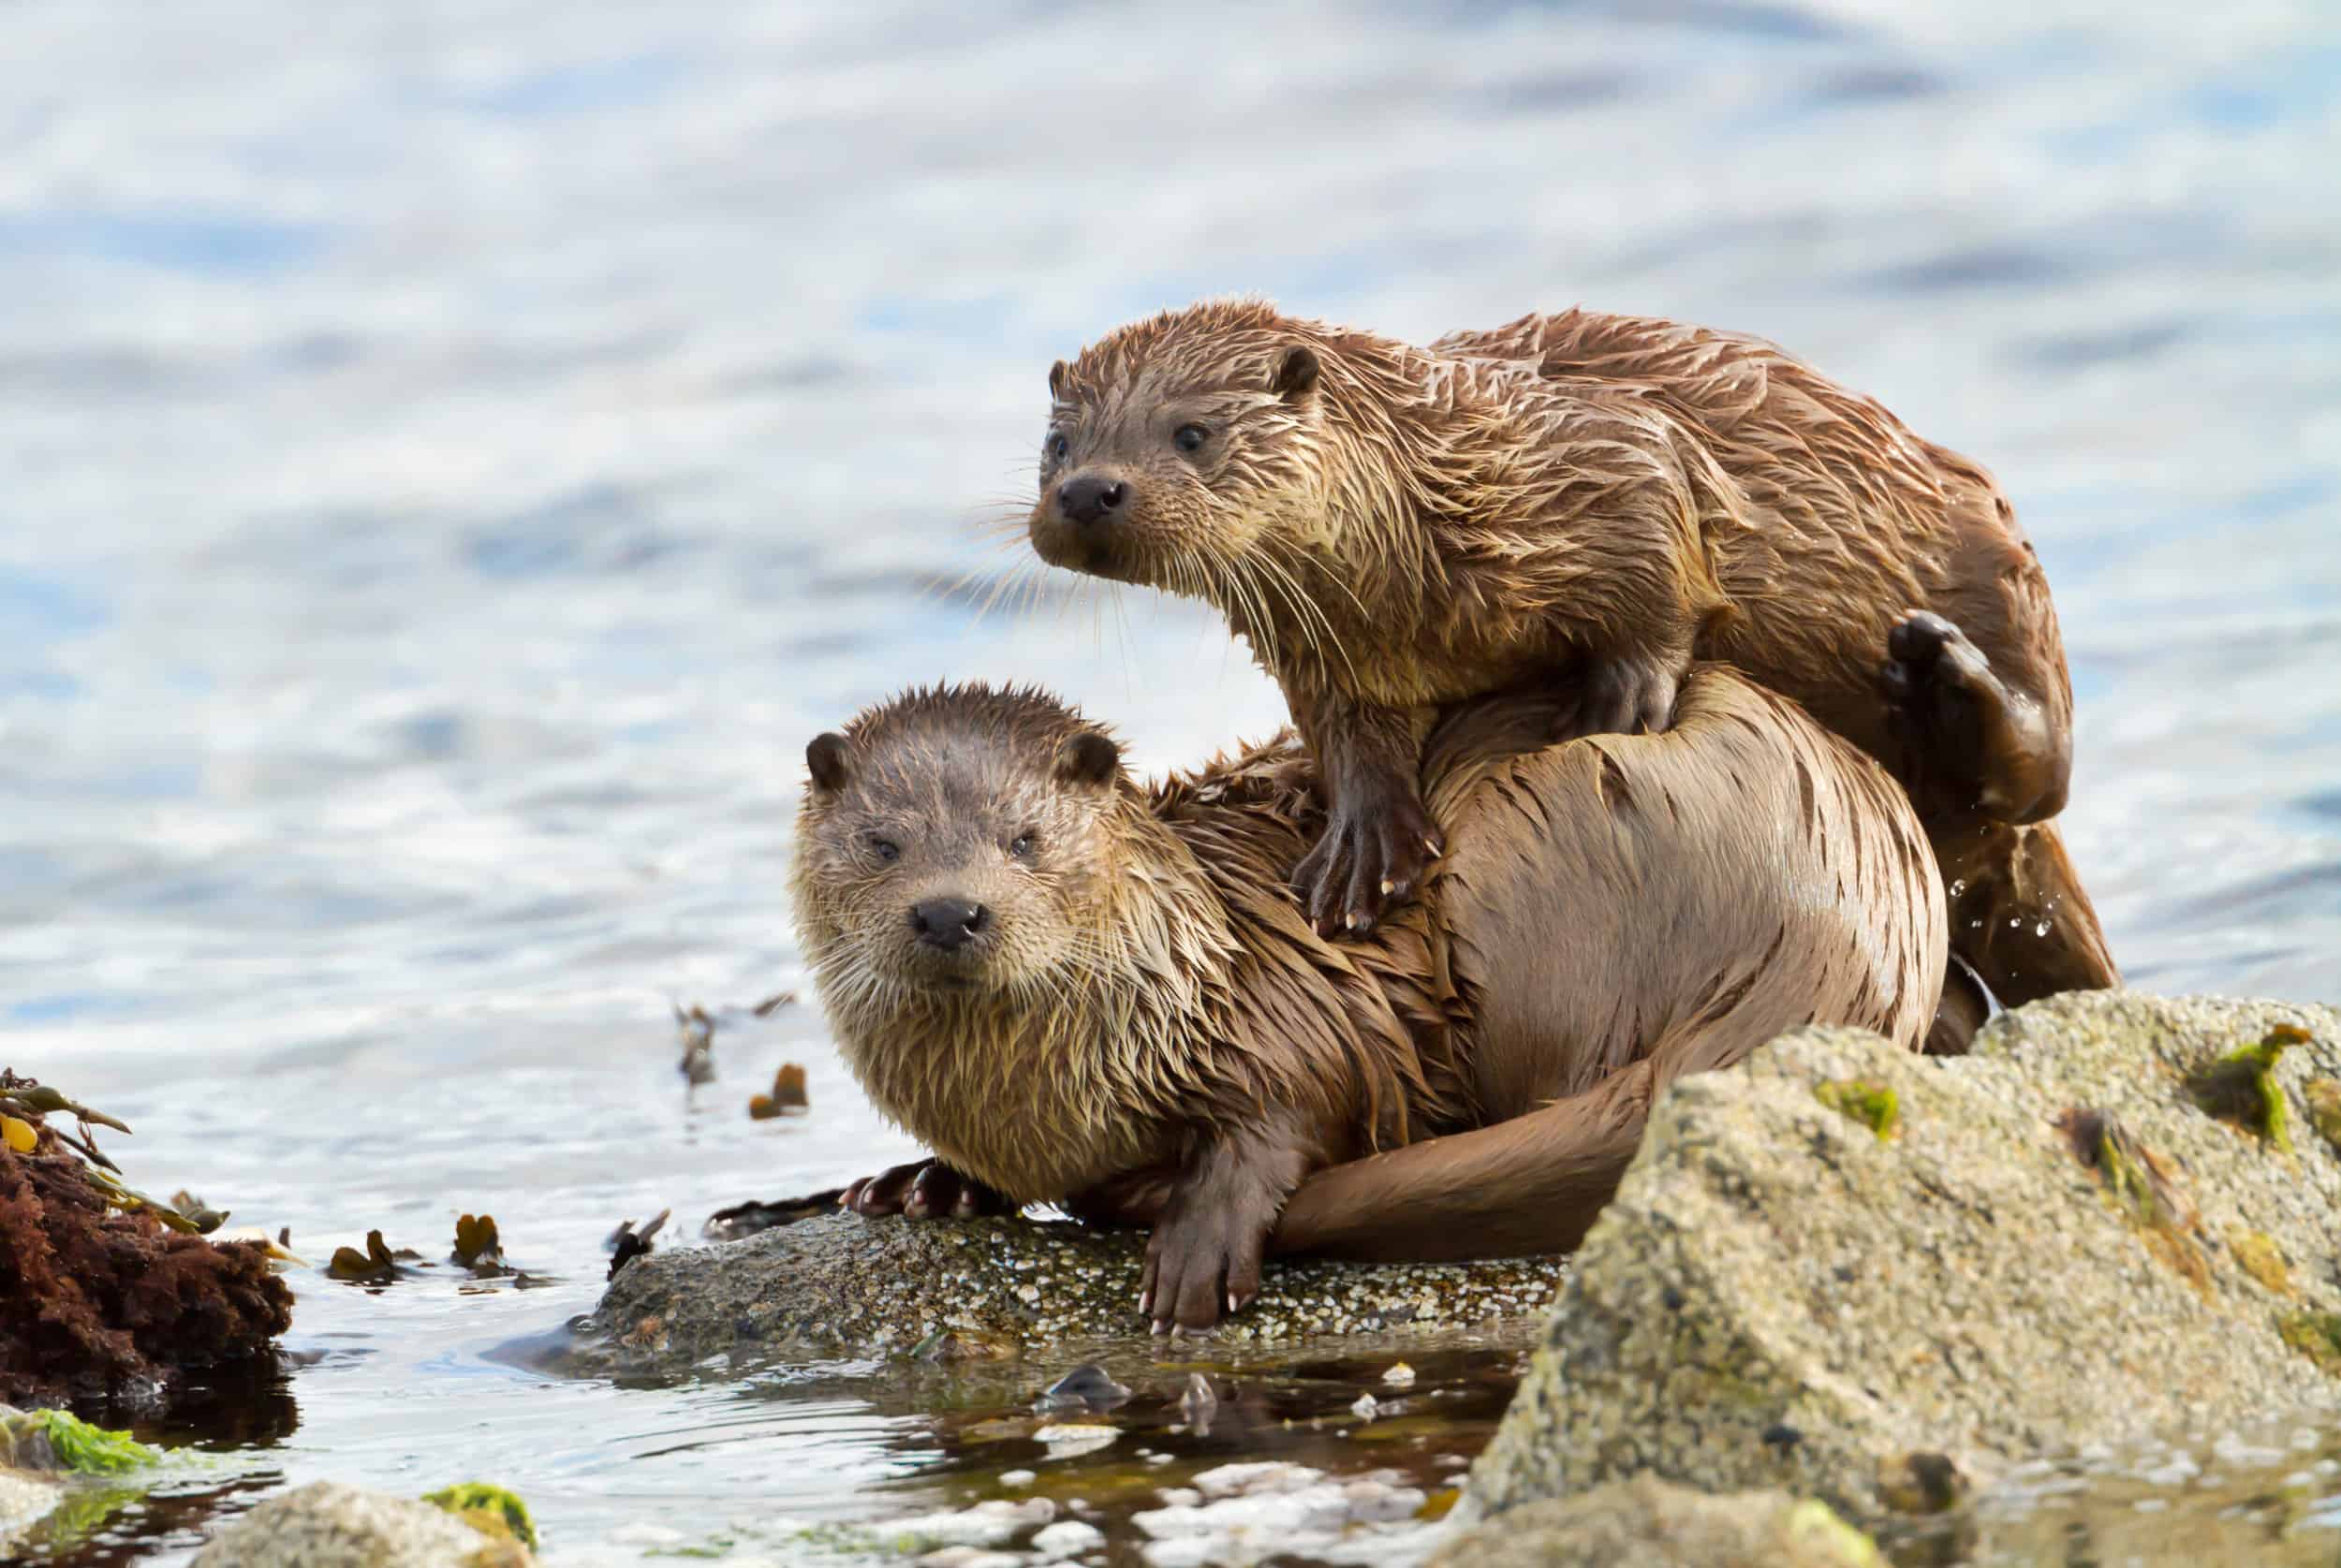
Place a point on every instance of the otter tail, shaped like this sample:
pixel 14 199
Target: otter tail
pixel 1528 1186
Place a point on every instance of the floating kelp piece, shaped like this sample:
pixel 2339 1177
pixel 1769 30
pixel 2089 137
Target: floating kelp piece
pixel 626 1243
pixel 697 1031
pixel 378 1265
pixel 198 1214
pixel 477 1247
pixel 787 1094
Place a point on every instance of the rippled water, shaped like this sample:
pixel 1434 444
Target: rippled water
pixel 456 456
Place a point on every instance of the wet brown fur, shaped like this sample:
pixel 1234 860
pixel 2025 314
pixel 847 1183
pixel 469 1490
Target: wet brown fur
pixel 1585 491
pixel 1155 1018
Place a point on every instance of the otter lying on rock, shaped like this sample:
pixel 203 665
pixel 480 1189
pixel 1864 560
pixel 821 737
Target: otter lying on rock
pixel 1083 991
pixel 1392 528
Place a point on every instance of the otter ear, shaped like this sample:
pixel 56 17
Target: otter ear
pixel 1089 759
pixel 1056 379
pixel 826 758
pixel 1296 373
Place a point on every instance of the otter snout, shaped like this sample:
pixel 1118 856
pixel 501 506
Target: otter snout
pixel 1089 499
pixel 948 924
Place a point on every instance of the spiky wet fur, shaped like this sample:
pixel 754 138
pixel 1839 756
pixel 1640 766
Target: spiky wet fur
pixel 1151 982
pixel 1428 523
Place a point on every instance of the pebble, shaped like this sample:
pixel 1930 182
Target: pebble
pixel 1018 1477
pixel 1067 1538
pixel 1065 1441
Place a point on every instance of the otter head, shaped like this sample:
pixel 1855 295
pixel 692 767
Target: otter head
pixel 1181 449
pixel 951 843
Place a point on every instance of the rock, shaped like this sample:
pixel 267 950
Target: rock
pixel 991 1286
pixel 1656 1524
pixel 2052 1244
pixel 327 1525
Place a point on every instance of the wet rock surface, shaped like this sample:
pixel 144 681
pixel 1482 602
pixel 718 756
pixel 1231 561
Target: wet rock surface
pixel 327 1525
pixel 1657 1524
pixel 897 1286
pixel 2049 1244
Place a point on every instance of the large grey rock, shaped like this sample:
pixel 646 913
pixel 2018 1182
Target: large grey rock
pixel 999 1285
pixel 327 1525
pixel 1779 1298
pixel 1656 1524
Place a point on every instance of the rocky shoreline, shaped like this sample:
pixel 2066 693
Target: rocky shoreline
pixel 1849 1306
pixel 1841 1287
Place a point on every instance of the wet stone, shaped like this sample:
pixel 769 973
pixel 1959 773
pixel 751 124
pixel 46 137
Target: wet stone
pixel 889 1286
pixel 1780 1298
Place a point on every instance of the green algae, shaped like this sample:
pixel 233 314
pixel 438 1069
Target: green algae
pixel 2240 1087
pixel 1814 1526
pixel 2324 1108
pixel 89 1450
pixel 1863 1100
pixel 2315 1335
pixel 488 1508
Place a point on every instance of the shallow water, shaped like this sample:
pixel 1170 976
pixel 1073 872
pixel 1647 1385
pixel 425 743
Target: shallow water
pixel 456 456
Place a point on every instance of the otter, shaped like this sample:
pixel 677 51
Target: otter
pixel 1077 990
pixel 1605 498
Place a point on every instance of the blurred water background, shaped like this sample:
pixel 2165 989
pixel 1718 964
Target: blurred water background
pixel 452 458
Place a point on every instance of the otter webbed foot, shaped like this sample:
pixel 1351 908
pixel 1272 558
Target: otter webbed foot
pixel 1631 696
pixel 1204 1255
pixel 1988 743
pixel 1370 861
pixel 923 1189
pixel 1202 1259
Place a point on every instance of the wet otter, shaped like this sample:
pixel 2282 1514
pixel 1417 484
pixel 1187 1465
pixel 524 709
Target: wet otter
pixel 1078 990
pixel 1394 527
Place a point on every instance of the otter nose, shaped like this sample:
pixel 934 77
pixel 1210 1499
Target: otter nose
pixel 947 923
pixel 1091 497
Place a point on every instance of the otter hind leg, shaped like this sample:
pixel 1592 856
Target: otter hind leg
pixel 1993 749
pixel 2018 914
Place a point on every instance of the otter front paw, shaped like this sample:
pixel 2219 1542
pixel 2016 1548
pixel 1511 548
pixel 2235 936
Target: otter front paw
pixel 1202 1258
pixel 1372 858
pixel 923 1189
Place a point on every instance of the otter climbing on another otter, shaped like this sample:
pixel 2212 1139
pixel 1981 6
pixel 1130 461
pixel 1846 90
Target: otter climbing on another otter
pixel 1594 498
pixel 1075 989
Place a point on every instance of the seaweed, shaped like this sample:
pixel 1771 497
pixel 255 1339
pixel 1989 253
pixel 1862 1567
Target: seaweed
pixel 490 1509
pixel 2142 1188
pixel 101 1287
pixel 2315 1335
pixel 2240 1087
pixel 787 1094
pixel 1864 1100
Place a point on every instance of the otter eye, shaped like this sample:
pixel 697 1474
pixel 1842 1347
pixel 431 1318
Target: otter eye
pixel 1023 846
pixel 885 849
pixel 1190 438
pixel 1056 446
